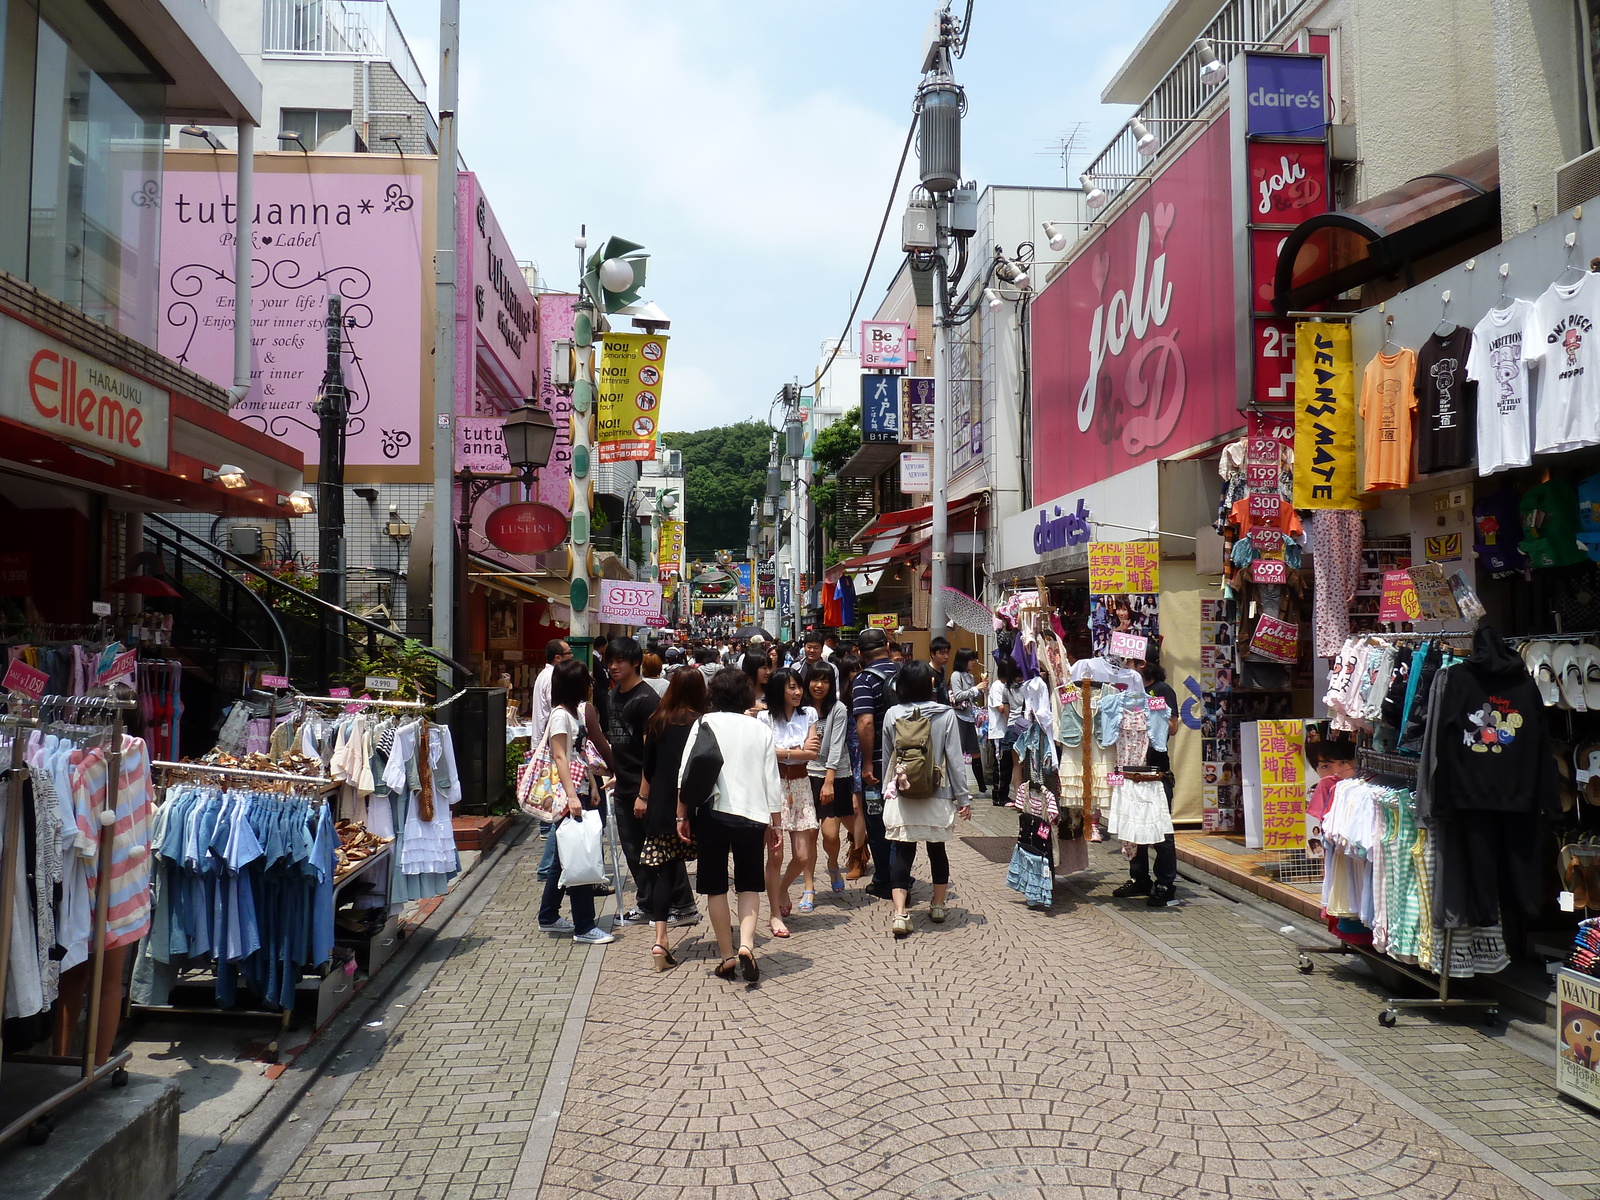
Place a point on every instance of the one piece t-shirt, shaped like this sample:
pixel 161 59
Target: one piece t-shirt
pixel 1496 364
pixel 1563 342
pixel 1446 425
pixel 1388 400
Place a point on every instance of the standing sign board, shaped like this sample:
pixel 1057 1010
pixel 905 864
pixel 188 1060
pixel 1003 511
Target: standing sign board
pixel 1578 1036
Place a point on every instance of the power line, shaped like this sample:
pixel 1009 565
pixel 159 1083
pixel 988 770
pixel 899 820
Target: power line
pixel 894 192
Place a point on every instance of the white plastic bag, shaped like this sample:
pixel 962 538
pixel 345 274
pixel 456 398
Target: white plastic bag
pixel 578 842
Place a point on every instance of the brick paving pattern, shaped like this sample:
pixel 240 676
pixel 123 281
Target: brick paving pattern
pixel 445 1109
pixel 1008 1053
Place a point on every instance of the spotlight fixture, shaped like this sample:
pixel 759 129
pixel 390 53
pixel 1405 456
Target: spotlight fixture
pixel 1144 140
pixel 298 502
pixel 1212 68
pixel 396 139
pixel 1058 240
pixel 993 297
pixel 229 476
pixel 1011 272
pixel 1094 196
pixel 290 135
pixel 203 134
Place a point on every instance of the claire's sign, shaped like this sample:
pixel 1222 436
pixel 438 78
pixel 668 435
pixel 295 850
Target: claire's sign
pixel 1057 530
pixel 1285 95
pixel 527 528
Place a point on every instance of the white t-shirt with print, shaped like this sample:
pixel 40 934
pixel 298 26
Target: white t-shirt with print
pixel 1496 364
pixel 1563 342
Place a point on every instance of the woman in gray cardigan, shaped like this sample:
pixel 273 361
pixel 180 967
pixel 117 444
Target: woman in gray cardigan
pixel 932 819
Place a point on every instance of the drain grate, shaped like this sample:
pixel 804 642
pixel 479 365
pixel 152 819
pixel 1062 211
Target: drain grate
pixel 995 849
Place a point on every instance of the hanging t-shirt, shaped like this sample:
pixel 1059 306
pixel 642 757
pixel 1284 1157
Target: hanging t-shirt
pixel 1496 364
pixel 1550 524
pixel 1388 399
pixel 1497 528
pixel 1563 341
pixel 1589 515
pixel 1446 425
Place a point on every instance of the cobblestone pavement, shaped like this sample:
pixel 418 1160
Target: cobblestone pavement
pixel 1099 1050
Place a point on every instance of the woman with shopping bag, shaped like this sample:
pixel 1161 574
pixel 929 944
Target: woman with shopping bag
pixel 579 861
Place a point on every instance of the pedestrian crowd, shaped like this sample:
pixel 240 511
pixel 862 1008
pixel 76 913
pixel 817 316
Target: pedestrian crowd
pixel 747 758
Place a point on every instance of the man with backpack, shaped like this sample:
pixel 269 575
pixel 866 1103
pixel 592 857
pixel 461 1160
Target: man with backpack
pixel 872 695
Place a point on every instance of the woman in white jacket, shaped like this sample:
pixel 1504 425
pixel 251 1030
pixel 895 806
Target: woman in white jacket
pixel 932 819
pixel 745 814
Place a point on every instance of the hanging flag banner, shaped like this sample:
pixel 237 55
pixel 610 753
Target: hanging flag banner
pixel 629 397
pixel 1324 417
pixel 669 554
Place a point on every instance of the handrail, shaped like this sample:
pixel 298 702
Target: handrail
pixel 246 565
pixel 277 626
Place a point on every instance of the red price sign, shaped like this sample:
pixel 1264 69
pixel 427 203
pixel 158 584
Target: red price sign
pixel 1269 570
pixel 29 681
pixel 122 666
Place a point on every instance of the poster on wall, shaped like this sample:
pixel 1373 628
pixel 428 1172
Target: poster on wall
pixel 1280 749
pixel 1134 614
pixel 1219 731
pixel 1124 567
pixel 354 236
pixel 628 404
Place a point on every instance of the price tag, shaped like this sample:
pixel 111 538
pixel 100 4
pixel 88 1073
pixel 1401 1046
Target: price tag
pixel 122 666
pixel 382 683
pixel 274 681
pixel 1565 902
pixel 341 693
pixel 1115 780
pixel 100 608
pixel 1269 570
pixel 1157 704
pixel 20 677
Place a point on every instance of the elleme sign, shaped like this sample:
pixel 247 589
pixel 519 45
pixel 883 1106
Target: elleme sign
pixel 64 392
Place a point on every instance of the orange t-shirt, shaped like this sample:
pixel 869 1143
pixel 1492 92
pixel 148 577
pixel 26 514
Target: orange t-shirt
pixel 1388 402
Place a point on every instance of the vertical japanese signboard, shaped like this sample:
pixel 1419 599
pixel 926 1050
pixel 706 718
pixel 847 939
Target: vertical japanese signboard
pixel 1281 754
pixel 880 408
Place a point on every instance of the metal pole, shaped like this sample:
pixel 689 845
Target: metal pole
pixel 444 330
pixel 941 451
pixel 583 398
pixel 332 420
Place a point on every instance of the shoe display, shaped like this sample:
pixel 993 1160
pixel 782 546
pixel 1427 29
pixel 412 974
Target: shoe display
pixel 1134 887
pixel 559 925
pixel 593 937
pixel 1163 897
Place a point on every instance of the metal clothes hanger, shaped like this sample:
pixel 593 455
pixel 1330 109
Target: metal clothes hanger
pixel 1389 344
pixel 1445 326
pixel 1571 242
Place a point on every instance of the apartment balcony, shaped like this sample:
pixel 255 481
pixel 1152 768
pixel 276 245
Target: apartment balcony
pixel 340 30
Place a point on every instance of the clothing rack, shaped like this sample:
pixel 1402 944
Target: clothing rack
pixel 322 783
pixel 1401 768
pixel 364 700
pixel 33 1121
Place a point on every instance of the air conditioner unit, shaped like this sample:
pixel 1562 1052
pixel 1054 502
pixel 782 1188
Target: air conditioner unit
pixel 1578 181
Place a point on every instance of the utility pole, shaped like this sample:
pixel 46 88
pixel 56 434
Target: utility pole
pixel 940 531
pixel 444 335
pixel 332 420
pixel 583 394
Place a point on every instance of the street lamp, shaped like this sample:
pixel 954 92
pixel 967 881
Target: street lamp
pixel 530 437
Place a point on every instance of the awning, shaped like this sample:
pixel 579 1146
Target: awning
pixel 872 460
pixel 499 577
pixel 1388 236
pixel 961 518
pixel 882 558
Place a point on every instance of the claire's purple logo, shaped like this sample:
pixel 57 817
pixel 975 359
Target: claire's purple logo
pixel 1285 95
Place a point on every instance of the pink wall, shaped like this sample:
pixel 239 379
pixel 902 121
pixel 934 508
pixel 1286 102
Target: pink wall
pixel 555 323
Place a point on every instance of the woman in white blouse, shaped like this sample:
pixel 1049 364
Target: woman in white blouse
pixel 570 689
pixel 745 811
pixel 795 743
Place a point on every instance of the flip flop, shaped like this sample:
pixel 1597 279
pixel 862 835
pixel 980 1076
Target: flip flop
pixel 1589 664
pixel 1564 662
pixel 1537 656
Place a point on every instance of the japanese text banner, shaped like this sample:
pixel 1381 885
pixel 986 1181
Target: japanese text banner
pixel 632 366
pixel 1324 417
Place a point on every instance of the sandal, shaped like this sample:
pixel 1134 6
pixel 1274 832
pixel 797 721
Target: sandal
pixel 785 909
pixel 808 902
pixel 747 964
pixel 779 929
pixel 728 970
pixel 838 878
pixel 663 957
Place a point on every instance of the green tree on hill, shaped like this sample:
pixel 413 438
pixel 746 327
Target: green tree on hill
pixel 724 469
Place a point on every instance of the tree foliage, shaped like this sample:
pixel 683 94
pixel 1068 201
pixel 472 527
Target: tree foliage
pixel 724 469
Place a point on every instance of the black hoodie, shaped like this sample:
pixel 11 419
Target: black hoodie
pixel 1491 744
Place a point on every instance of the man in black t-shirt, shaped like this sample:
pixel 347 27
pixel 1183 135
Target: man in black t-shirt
pixel 629 705
pixel 1164 891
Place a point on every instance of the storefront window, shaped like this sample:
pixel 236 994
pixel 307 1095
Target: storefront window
pixel 95 195
pixel 1589 52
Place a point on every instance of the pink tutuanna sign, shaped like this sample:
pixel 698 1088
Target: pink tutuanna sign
pixel 358 237
pixel 555 324
pixel 1134 342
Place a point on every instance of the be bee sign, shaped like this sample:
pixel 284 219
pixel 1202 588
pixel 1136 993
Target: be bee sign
pixel 632 370
pixel 625 603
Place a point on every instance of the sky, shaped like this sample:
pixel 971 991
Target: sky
pixel 750 146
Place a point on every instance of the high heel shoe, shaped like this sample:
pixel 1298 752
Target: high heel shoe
pixel 663 957
pixel 728 970
pixel 838 878
pixel 808 902
pixel 747 964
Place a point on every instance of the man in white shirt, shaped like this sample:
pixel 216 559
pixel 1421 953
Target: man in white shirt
pixel 555 650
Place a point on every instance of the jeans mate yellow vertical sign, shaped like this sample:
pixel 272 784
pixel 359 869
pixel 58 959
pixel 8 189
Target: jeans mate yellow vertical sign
pixel 632 370
pixel 1324 416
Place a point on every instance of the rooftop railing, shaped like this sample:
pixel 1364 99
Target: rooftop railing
pixel 358 30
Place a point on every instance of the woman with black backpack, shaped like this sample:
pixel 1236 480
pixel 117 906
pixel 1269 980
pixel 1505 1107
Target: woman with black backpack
pixel 924 788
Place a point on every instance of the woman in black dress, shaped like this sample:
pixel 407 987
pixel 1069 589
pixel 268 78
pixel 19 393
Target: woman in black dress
pixel 661 860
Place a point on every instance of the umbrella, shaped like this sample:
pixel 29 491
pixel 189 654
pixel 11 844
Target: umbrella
pixel 145 585
pixel 972 615
pixel 745 632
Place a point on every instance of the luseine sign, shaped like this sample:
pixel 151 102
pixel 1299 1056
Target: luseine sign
pixel 530 528
pixel 67 394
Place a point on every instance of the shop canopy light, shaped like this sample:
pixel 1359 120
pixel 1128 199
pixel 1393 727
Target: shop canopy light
pixel 229 476
pixel 1212 68
pixel 993 297
pixel 1094 197
pixel 1058 240
pixel 1144 140
pixel 300 503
